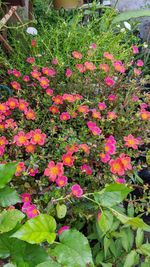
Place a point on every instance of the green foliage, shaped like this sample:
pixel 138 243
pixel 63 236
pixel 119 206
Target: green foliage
pixel 61 210
pixel 6 173
pixel 9 219
pixel 131 14
pixel 8 196
pixel 73 250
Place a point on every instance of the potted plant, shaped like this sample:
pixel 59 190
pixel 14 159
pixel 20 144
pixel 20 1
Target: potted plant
pixel 67 4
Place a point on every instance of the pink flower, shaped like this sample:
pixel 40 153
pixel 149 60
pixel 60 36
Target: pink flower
pixel 30 114
pixel 110 148
pixel 37 137
pixel 68 97
pixel 10 123
pixel 137 72
pixel 108 56
pixel 140 63
pixel 126 161
pixel 81 68
pixel 131 141
pixel 3 108
pixel 87 169
pixel 32 211
pixel 120 181
pixel 145 114
pixel 117 166
pixel 112 97
pixel 101 105
pixel 12 102
pixel 77 55
pixel 26 198
pixel 77 190
pixel 33 171
pixel 16 73
pixel 104 157
pixel 68 159
pixel 53 171
pixel 21 139
pixel 83 109
pixel 135 98
pixel 65 116
pixel 143 105
pixel 95 114
pixel 111 115
pixel 58 100
pixel 49 91
pixel 44 82
pixel 20 168
pixel 54 61
pixel 119 67
pixel 54 109
pixel 109 81
pixel 49 72
pixel 25 206
pixel 93 46
pixel 62 229
pixel 89 66
pixel 3 141
pixel 85 148
pixel 30 60
pixel 26 78
pixel 35 74
pixel 23 105
pixel 104 67
pixel 94 128
pixel 68 73
pixel 135 49
pixel 15 85
pixel 61 181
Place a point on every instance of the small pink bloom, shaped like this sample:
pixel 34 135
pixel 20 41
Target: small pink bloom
pixel 89 66
pixel 3 141
pixel 25 206
pixel 111 115
pixel 110 148
pixel 44 82
pixel 20 168
pixel 16 73
pixel 35 74
pixel 108 56
pixel 104 67
pixel 120 181
pixel 119 67
pixel 77 55
pixel 61 181
pixel 85 148
pixel 126 161
pixel 135 98
pixel 117 166
pixel 23 105
pixel 49 91
pixel 30 114
pixel 12 102
pixel 93 46
pixel 33 171
pixel 62 229
pixel 140 63
pixel 54 61
pixel 21 139
pixel 68 159
pixel 68 73
pixel 137 72
pixel 58 100
pixel 32 212
pixel 68 97
pixel 109 81
pixel 49 72
pixel 81 68
pixel 112 97
pixel 15 85
pixel 37 137
pixel 10 123
pixel 143 105
pixel 77 190
pixel 101 105
pixel 83 109
pixel 26 78
pixel 54 109
pixel 26 198
pixel 53 171
pixel 95 114
pixel 65 116
pixel 87 169
pixel 135 49
pixel 131 141
pixel 104 157
pixel 30 60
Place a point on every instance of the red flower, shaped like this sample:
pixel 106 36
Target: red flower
pixel 54 109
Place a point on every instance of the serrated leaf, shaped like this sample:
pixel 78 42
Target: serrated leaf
pixel 106 221
pixel 39 229
pixel 144 249
pixel 8 196
pixel 61 210
pixel 9 219
pixel 7 172
pixel 112 195
pixel 130 259
pixel 139 237
pixel 131 14
pixel 49 264
pixel 73 250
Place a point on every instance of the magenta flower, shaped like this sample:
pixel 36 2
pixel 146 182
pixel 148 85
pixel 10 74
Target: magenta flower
pixel 77 190
pixel 87 169
pixel 109 81
pixel 26 198
pixel 62 229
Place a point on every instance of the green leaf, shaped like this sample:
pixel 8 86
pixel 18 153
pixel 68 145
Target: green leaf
pixel 134 222
pixel 9 219
pixel 106 264
pixel 139 237
pixel 144 249
pixel 4 251
pixel 112 195
pixel 106 221
pixel 73 250
pixel 107 242
pixel 37 230
pixel 61 210
pixel 7 172
pixel 8 196
pixel 131 14
pixel 127 239
pixel 130 259
pixel 9 265
pixel 49 264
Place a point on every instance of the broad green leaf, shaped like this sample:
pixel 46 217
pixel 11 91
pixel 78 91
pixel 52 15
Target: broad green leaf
pixel 4 251
pixel 131 14
pixel 106 221
pixel 139 237
pixel 9 219
pixel 127 239
pixel 61 210
pixel 7 172
pixel 39 229
pixel 112 195
pixel 9 265
pixel 8 196
pixel 99 257
pixel 135 222
pixel 146 263
pixel 73 250
pixel 130 259
pixel 144 249
pixel 22 253
pixel 50 263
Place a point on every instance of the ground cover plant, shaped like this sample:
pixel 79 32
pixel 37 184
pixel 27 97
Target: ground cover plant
pixel 72 135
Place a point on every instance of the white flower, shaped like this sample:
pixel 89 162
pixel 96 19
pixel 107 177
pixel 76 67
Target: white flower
pixel 123 30
pixel 145 45
pixel 32 31
pixel 127 25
